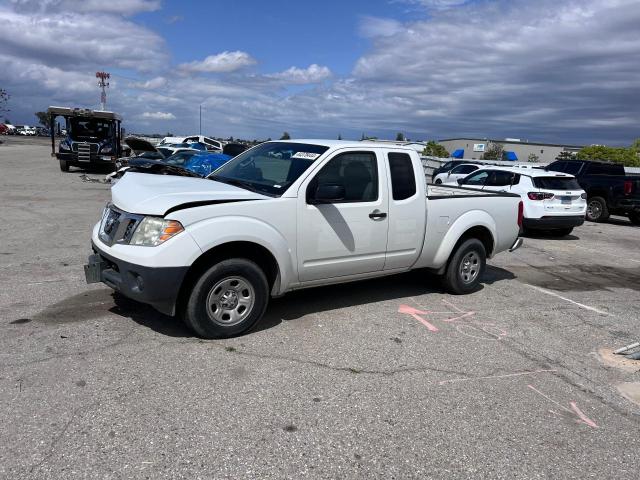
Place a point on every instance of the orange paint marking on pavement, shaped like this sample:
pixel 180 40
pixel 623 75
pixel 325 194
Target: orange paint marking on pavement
pixel 415 313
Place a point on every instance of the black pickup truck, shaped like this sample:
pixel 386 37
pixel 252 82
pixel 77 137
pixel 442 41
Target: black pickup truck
pixel 609 189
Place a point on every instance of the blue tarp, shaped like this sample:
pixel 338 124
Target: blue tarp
pixel 206 163
pixel 511 156
pixel 458 153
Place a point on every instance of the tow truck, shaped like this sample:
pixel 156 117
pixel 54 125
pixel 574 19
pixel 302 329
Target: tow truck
pixel 92 140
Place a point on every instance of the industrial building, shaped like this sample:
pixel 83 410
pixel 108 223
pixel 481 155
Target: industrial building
pixel 514 149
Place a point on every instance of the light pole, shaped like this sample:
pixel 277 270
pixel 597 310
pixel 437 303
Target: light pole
pixel 200 120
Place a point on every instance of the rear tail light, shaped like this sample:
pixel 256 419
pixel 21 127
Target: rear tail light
pixel 539 195
pixel 520 213
pixel 583 196
pixel 628 186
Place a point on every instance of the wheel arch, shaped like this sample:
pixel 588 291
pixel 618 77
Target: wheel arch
pixel 248 250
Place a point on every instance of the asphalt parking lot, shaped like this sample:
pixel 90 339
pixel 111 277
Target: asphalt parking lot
pixel 390 378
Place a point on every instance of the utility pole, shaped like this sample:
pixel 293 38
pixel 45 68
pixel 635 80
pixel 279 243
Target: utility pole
pixel 200 120
pixel 103 83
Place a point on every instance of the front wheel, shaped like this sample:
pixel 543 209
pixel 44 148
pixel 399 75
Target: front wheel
pixel 228 299
pixel 465 268
pixel 64 165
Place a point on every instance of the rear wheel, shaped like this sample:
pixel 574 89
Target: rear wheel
pixel 634 217
pixel 64 166
pixel 597 210
pixel 438 182
pixel 465 268
pixel 228 299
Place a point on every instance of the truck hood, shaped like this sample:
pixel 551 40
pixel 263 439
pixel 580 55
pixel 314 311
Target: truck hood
pixel 160 194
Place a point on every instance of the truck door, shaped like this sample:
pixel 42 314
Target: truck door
pixel 343 216
pixel 406 211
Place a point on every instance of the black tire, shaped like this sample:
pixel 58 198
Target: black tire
pixel 205 307
pixel 560 232
pixel 455 279
pixel 634 218
pixel 64 166
pixel 438 182
pixel 597 210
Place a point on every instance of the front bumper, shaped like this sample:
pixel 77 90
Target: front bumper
pixel 549 223
pixel 95 159
pixel 155 286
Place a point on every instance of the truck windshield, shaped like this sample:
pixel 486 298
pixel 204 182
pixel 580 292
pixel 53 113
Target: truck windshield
pixel 89 129
pixel 269 168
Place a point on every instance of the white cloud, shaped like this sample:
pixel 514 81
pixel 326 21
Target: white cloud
pixel 151 84
pixel 121 7
pixel 371 27
pixel 221 63
pixel 300 76
pixel 80 40
pixel 435 4
pixel 158 116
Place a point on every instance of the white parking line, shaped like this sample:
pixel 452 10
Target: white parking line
pixel 586 307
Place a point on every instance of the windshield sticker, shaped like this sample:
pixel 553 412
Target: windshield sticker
pixel 306 155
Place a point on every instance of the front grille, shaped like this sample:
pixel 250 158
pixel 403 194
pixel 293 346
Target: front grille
pixel 84 150
pixel 118 226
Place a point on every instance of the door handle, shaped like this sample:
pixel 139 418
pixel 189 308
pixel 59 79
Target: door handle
pixel 377 215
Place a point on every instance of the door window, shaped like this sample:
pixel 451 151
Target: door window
pixel 357 172
pixel 502 179
pixel 403 180
pixel 464 169
pixel 476 179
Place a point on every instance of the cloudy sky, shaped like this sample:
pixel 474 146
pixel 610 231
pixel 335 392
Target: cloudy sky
pixel 548 70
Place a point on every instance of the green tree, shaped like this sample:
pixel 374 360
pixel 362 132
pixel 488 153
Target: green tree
pixel 43 118
pixel 565 155
pixel 493 151
pixel 285 136
pixel 533 158
pixel 626 156
pixel 400 137
pixel 4 100
pixel 434 149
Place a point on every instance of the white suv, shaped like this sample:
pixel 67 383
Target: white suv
pixel 553 201
pixel 457 172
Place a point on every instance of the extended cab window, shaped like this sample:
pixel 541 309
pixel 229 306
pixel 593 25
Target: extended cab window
pixel 403 180
pixel 357 172
pixel 477 179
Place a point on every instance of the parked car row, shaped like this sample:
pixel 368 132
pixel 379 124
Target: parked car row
pixel 25 130
pixel 558 197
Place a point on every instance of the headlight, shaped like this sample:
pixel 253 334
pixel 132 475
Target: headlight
pixel 106 149
pixel 65 146
pixel 153 231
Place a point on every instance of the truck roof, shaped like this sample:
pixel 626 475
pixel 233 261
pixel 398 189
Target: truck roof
pixel 83 112
pixel 346 143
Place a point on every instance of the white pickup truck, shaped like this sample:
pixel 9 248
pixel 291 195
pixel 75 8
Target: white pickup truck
pixel 286 215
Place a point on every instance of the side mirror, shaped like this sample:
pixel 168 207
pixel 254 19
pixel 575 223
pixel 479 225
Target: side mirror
pixel 328 193
pixel 460 180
